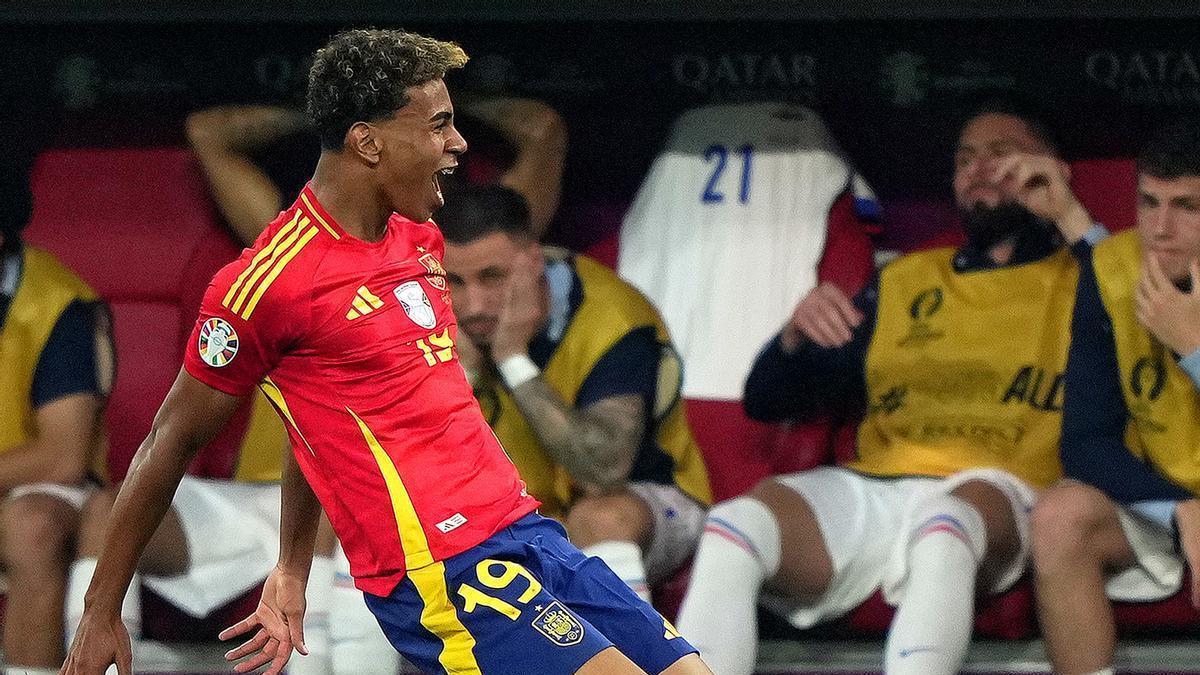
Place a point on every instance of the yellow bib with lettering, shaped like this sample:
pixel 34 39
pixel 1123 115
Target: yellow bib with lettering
pixel 609 311
pixel 46 288
pixel 965 369
pixel 1164 406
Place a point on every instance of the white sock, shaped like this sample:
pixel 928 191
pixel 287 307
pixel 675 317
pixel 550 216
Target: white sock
pixel 624 558
pixel 78 579
pixel 1104 671
pixel 932 629
pixel 357 643
pixel 317 598
pixel 738 551
pixel 24 670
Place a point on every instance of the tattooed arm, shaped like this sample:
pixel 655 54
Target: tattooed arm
pixel 596 444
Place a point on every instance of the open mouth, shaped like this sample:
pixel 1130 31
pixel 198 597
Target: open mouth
pixel 437 185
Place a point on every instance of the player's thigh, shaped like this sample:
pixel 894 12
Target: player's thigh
pixel 590 588
pixel 492 615
pixel 610 660
pixel 688 665
pixel 837 530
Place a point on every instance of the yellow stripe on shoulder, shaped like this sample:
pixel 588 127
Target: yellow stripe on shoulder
pixel 259 257
pixel 263 267
pixel 276 269
pixel 317 216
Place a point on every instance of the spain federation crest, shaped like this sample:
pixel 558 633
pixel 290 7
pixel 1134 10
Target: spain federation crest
pixel 559 625
pixel 437 273
pixel 416 304
pixel 218 342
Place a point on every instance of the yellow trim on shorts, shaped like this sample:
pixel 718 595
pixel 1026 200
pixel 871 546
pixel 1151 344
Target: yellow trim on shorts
pixel 439 617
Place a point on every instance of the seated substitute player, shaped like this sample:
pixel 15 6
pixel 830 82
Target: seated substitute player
pixel 56 370
pixel 1128 515
pixel 335 317
pixel 219 539
pixel 956 357
pixel 576 375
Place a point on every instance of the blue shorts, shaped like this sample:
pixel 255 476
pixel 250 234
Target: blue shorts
pixel 525 600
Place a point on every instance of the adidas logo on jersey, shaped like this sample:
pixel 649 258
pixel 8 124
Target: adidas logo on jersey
pixel 364 303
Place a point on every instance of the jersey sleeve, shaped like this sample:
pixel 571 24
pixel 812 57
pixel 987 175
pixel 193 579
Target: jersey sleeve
pixel 77 359
pixel 237 338
pixel 628 367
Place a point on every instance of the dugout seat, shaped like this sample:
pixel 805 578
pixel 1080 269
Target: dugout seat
pixel 139 227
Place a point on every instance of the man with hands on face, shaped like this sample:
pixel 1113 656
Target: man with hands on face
pixel 1127 518
pixel 575 373
pixel 955 360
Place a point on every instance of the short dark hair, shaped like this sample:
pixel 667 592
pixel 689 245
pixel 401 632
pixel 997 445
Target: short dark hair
pixel 1172 151
pixel 1034 117
pixel 476 211
pixel 362 75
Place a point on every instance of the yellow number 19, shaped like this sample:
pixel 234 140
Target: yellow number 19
pixel 473 597
pixel 442 349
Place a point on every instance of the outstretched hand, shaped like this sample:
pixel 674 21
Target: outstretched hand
pixel 100 642
pixel 279 620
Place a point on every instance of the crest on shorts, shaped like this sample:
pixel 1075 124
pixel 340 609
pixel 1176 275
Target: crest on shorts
pixel 437 273
pixel 416 304
pixel 559 625
pixel 218 342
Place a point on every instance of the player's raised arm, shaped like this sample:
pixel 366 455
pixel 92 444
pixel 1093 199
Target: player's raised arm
pixel 190 416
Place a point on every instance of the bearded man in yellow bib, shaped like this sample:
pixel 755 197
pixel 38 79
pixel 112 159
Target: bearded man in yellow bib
pixel 576 375
pixel 1127 519
pixel 955 359
pixel 56 370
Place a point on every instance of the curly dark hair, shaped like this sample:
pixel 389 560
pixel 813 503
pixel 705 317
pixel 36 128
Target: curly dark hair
pixel 361 76
pixel 1173 151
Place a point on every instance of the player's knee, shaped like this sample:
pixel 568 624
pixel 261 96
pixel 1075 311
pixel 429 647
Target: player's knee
pixel 616 517
pixel 750 524
pixel 39 534
pixel 1063 521
pixel 947 513
pixel 93 521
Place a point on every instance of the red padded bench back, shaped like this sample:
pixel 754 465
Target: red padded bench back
pixel 139 227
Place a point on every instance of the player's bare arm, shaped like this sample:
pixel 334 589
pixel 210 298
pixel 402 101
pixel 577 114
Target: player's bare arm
pixel 222 138
pixel 540 136
pixel 277 623
pixel 189 418
pixel 61 448
pixel 596 444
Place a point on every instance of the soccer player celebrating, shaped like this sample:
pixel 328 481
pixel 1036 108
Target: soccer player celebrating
pixel 339 314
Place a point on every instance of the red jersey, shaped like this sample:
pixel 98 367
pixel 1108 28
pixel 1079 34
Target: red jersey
pixel 353 342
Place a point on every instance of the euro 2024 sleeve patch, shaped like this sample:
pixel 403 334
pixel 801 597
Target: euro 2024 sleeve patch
pixel 218 342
